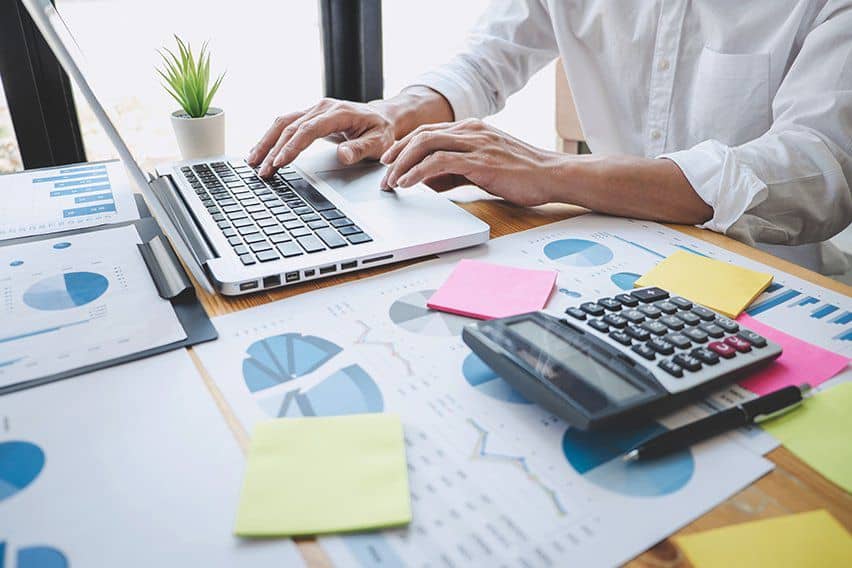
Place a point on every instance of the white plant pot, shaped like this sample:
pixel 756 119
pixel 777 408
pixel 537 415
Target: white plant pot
pixel 200 137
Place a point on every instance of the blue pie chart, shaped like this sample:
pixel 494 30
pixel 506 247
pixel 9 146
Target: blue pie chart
pixel 38 557
pixel 578 252
pixel 482 378
pixel 624 280
pixel 66 291
pixel 20 465
pixel 281 358
pixel 350 390
pixel 596 455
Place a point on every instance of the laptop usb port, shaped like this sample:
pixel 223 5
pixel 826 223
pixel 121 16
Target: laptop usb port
pixel 272 281
pixel 292 276
pixel 248 285
pixel 327 269
pixel 309 273
pixel 348 265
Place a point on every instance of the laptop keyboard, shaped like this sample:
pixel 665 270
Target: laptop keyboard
pixel 265 220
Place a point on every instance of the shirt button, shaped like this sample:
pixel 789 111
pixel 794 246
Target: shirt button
pixel 655 134
pixel 663 65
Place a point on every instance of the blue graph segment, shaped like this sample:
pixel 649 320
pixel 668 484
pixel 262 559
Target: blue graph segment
pixel 66 291
pixel 806 301
pixel 843 318
pixel 77 190
pixel 569 293
pixel 692 250
pixel 41 557
pixel 372 550
pixel 844 336
pixel 40 331
pixel 637 245
pixel 624 280
pixel 95 168
pixel 79 182
pixel 481 377
pixel 774 301
pixel 578 252
pixel 281 358
pixel 20 465
pixel 89 210
pixel 823 311
pixel 597 457
pixel 774 287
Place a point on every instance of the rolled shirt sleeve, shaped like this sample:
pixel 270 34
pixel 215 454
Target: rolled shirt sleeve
pixel 792 184
pixel 511 41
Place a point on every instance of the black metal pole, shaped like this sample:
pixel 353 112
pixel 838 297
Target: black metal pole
pixel 38 92
pixel 352 49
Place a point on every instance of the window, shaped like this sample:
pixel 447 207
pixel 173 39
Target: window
pixel 10 159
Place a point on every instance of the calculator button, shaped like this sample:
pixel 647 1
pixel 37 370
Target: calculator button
pixel 650 311
pixel 753 338
pixel 576 313
pixel 705 355
pixel 660 346
pixel 654 327
pixel 703 313
pixel 682 303
pixel 615 320
pixel 671 368
pixel 644 351
pixel 627 300
pixel 649 295
pixel 689 318
pixel 712 329
pixel 633 316
pixel 738 343
pixel 621 337
pixel 687 362
pixel 679 340
pixel 722 349
pixel 638 333
pixel 695 334
pixel 592 309
pixel 729 325
pixel 666 307
pixel 610 304
pixel 599 325
pixel 672 322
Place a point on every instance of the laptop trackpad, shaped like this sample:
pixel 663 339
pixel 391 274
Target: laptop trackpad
pixel 357 183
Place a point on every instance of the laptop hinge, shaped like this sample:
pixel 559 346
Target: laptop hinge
pixel 164 188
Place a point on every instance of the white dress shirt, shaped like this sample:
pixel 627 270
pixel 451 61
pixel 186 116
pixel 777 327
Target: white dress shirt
pixel 751 98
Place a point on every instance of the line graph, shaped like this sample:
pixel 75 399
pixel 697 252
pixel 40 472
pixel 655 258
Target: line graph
pixel 481 452
pixel 363 339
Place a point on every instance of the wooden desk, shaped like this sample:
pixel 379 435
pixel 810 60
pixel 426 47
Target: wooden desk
pixel 792 487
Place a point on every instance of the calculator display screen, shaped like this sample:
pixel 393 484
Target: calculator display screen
pixel 556 349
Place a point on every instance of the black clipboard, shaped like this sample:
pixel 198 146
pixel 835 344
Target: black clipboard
pixel 172 284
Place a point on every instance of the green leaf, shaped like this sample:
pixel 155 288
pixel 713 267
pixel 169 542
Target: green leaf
pixel 186 78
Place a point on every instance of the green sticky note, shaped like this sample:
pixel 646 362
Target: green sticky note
pixel 818 432
pixel 308 476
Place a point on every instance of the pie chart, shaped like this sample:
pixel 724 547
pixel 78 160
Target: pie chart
pixel 38 557
pixel 20 464
pixel 578 252
pixel 410 313
pixel 66 291
pixel 482 378
pixel 624 280
pixel 597 457
pixel 281 358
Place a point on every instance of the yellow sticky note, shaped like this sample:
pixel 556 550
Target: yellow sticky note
pixel 813 539
pixel 819 433
pixel 720 286
pixel 309 476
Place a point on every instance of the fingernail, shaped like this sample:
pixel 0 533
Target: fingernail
pixel 403 181
pixel 384 158
pixel 348 155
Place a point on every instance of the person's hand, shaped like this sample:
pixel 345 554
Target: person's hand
pixel 362 130
pixel 471 152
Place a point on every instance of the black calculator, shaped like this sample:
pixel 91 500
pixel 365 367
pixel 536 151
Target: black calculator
pixel 621 358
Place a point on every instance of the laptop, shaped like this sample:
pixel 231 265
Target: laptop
pixel 238 233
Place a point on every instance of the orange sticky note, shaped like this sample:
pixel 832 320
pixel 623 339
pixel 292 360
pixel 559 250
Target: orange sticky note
pixel 483 290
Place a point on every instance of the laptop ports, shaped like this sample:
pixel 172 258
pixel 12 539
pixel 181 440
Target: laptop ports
pixel 272 281
pixel 292 276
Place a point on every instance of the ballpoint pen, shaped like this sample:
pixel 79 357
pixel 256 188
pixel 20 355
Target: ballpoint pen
pixel 754 411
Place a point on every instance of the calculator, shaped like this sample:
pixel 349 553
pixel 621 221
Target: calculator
pixel 619 359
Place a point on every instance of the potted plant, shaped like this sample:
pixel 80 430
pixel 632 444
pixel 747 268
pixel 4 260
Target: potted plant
pixel 199 128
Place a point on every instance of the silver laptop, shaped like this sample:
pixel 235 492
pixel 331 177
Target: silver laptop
pixel 239 233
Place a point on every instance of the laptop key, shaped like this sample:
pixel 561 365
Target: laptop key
pixel 267 255
pixel 243 223
pixel 254 238
pixel 229 232
pixel 255 208
pixel 248 230
pixel 305 210
pixel 293 224
pixel 218 217
pixel 359 238
pixel 333 214
pixel 289 249
pixel 241 250
pixel 280 238
pixel 349 230
pixel 330 237
pixel 223 224
pixel 263 223
pixel 311 217
pixel 317 224
pixel 234 241
pixel 279 209
pixel 237 215
pixel 310 194
pixel 310 243
pixel 274 230
pixel 231 208
pixel 260 246
pixel 247 259
pixel 342 222
pixel 286 217
pixel 300 231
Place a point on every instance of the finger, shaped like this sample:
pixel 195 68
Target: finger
pixel 261 149
pixel 371 145
pixel 421 146
pixel 440 163
pixel 311 129
pixel 268 166
pixel 390 155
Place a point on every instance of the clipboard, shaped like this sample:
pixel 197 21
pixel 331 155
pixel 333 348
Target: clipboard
pixel 170 279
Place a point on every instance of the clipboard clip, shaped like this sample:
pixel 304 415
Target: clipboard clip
pixel 165 268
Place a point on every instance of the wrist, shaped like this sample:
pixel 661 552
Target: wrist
pixel 414 106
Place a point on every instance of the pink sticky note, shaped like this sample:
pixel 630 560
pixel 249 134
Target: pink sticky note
pixel 483 290
pixel 800 362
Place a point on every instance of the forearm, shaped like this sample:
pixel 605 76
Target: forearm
pixel 413 107
pixel 629 186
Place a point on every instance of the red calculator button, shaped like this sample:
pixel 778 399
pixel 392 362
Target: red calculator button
pixel 722 349
pixel 738 343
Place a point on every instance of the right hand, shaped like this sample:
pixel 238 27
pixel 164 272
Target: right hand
pixel 361 129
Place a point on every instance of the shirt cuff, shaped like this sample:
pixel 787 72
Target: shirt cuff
pixel 454 89
pixel 724 183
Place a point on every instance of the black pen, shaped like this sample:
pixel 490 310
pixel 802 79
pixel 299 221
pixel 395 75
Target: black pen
pixel 757 410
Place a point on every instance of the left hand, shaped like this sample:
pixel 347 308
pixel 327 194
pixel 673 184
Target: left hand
pixel 450 154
